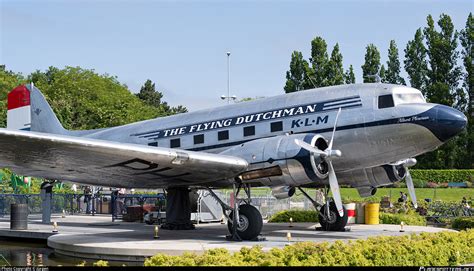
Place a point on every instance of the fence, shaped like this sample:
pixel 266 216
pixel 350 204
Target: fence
pixel 117 204
pixel 60 202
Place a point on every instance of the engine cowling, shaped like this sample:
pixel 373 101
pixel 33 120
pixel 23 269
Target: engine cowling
pixel 279 161
pixel 367 180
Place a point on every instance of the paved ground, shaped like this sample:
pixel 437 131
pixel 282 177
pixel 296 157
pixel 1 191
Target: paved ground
pixel 97 237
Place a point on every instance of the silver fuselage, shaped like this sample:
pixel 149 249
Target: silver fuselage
pixel 366 135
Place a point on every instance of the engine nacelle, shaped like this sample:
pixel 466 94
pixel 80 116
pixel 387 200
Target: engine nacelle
pixel 367 180
pixel 283 192
pixel 279 161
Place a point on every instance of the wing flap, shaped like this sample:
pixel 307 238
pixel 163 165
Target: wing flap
pixel 107 163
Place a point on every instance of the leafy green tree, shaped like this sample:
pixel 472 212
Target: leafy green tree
pixel 152 97
pixel 319 60
pixel 442 87
pixel 349 77
pixel 415 62
pixel 296 76
pixel 467 37
pixel 149 95
pixel 383 74
pixel 83 99
pixel 392 74
pixel 443 72
pixel 335 70
pixel 371 66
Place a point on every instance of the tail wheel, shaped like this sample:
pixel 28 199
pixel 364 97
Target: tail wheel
pixel 334 222
pixel 250 222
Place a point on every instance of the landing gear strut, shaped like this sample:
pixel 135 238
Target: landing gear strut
pixel 328 215
pixel 244 221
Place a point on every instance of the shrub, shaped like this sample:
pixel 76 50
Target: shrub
pixel 443 175
pixel 419 183
pixel 408 219
pixel 297 215
pixel 463 223
pixel 426 249
pixel 101 263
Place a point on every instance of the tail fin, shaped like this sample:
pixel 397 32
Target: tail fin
pixel 29 110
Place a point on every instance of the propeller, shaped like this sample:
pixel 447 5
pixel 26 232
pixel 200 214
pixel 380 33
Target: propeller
pixel 409 181
pixel 327 156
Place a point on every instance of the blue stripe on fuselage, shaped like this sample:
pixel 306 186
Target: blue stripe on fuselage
pixel 418 119
pixel 318 107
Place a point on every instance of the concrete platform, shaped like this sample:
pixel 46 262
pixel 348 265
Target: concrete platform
pixel 98 238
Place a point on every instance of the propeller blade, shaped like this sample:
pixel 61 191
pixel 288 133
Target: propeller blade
pixel 309 148
pixel 336 194
pixel 334 129
pixel 411 188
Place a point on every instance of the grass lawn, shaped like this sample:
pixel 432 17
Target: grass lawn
pixel 444 194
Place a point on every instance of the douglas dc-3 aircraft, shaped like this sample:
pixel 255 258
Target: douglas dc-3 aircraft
pixel 362 135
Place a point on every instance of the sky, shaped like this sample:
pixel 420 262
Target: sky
pixel 182 45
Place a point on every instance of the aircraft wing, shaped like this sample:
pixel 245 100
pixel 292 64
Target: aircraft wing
pixel 107 163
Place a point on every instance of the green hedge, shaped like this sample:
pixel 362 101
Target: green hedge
pixel 463 223
pixel 443 175
pixel 425 249
pixel 408 219
pixel 297 215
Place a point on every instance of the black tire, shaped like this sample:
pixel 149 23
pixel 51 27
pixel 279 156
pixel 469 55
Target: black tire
pixel 337 223
pixel 252 229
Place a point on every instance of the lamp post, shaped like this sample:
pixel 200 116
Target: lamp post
pixel 228 97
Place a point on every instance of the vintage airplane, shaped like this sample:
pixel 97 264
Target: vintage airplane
pixel 362 135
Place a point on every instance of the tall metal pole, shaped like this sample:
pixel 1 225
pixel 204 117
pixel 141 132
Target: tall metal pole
pixel 228 77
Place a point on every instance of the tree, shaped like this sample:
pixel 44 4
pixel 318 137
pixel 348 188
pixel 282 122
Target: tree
pixel 149 95
pixel 296 76
pixel 152 97
pixel 371 66
pixel 319 62
pixel 443 72
pixel 383 74
pixel 467 37
pixel 349 77
pixel 83 99
pixel 335 70
pixel 443 76
pixel 392 74
pixel 415 62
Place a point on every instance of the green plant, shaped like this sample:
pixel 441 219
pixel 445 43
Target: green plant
pixel 408 219
pixel 463 223
pixel 101 263
pixel 426 249
pixel 443 175
pixel 296 215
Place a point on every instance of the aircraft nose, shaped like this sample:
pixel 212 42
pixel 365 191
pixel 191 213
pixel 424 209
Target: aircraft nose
pixel 450 121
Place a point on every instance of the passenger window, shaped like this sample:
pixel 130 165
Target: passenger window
pixel 249 131
pixel 276 126
pixel 199 139
pixel 153 144
pixel 175 143
pixel 385 101
pixel 223 135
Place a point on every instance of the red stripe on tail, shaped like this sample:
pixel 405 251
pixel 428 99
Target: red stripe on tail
pixel 18 97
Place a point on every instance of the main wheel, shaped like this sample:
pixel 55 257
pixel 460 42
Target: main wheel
pixel 250 221
pixel 335 222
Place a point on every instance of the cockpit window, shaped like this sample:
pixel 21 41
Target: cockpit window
pixel 386 101
pixel 406 98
